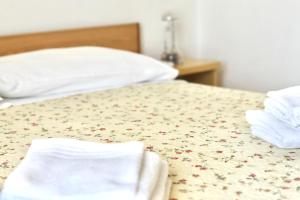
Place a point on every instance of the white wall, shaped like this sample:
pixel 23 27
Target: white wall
pixel 257 40
pixel 35 15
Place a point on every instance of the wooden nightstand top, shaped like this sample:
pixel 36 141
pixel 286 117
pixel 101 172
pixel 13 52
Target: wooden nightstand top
pixel 199 71
pixel 192 66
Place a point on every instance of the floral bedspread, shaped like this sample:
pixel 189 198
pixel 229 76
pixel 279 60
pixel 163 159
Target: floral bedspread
pixel 200 130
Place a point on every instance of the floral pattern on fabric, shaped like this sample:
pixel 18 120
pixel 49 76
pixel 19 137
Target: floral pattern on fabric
pixel 200 130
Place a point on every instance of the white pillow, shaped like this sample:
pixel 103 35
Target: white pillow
pixel 66 70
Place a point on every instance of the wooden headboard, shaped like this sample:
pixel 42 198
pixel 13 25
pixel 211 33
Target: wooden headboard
pixel 126 37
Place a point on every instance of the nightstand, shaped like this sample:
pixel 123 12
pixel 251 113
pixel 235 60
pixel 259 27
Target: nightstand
pixel 199 71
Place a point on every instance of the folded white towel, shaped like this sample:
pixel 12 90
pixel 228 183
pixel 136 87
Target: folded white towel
pixel 76 170
pixel 267 127
pixel 69 169
pixel 149 176
pixel 154 183
pixel 163 186
pixel 291 91
pixel 285 105
pixel 280 108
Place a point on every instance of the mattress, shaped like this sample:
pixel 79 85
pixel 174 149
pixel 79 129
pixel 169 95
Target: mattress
pixel 200 130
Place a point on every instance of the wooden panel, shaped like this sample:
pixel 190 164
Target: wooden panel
pixel 200 71
pixel 207 78
pixel 197 66
pixel 124 37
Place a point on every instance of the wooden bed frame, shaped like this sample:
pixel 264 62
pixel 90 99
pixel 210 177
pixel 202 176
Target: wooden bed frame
pixel 125 36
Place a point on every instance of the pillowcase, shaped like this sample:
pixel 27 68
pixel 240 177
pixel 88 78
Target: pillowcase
pixel 67 70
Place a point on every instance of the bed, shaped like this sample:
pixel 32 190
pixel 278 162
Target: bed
pixel 200 130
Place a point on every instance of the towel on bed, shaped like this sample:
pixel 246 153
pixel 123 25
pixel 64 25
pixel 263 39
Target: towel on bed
pixel 154 183
pixel 70 169
pixel 163 186
pixel 274 131
pixel 285 105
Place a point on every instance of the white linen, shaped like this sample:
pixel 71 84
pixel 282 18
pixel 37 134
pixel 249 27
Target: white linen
pixel 152 165
pixel 274 131
pixel 74 70
pixel 162 188
pixel 70 169
pixel 284 110
pixel 291 91
pixel 285 105
pixel 8 102
pixel 4 104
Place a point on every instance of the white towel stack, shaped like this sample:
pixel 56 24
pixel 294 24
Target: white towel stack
pixel 68 169
pixel 279 122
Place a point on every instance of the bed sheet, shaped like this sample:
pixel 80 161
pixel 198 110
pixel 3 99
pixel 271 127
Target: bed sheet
pixel 200 130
